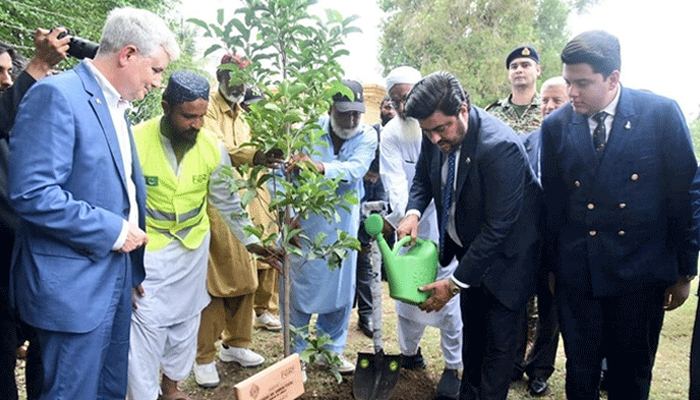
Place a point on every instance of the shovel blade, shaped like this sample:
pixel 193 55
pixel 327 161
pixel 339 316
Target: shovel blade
pixel 376 374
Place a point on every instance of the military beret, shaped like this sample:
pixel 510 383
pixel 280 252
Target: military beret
pixel 520 52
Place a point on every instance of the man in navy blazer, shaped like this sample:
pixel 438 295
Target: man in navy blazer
pixel 489 223
pixel 76 184
pixel 617 165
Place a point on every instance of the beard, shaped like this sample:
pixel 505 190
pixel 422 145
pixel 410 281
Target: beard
pixel 386 118
pixel 344 133
pixel 230 97
pixel 179 137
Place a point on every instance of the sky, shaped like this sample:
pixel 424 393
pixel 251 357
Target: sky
pixel 660 41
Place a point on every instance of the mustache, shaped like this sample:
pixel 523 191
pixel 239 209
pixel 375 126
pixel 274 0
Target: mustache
pixel 188 136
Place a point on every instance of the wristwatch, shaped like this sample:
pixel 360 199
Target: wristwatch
pixel 454 288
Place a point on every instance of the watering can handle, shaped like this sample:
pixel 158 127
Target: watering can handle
pixel 403 242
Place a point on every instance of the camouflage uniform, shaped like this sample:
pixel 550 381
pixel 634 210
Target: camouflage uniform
pixel 530 120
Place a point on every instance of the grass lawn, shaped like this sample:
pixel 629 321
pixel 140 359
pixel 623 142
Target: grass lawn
pixel 670 380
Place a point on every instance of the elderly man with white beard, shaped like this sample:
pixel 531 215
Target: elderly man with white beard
pixel 348 152
pixel 399 150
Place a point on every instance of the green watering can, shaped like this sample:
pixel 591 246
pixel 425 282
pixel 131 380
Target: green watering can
pixel 409 271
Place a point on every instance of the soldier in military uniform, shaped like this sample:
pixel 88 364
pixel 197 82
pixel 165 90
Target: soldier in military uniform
pixel 521 109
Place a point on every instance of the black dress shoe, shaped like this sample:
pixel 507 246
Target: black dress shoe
pixel 517 375
pixel 413 362
pixel 448 387
pixel 537 386
pixel 366 326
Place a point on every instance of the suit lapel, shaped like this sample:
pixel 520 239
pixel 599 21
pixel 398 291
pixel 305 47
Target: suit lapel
pixel 468 149
pixel 580 135
pixel 99 106
pixel 622 125
pixel 137 178
pixel 436 172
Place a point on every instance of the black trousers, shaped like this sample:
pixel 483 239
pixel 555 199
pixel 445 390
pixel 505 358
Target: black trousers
pixel 540 360
pixel 14 332
pixel 363 280
pixel 695 359
pixel 623 328
pixel 488 346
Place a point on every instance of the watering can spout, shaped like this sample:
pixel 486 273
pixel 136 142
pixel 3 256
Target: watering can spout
pixel 408 271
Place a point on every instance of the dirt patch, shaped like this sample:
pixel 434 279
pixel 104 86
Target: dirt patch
pixel 412 385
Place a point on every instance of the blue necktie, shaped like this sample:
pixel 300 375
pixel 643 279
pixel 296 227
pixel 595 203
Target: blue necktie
pixel 447 199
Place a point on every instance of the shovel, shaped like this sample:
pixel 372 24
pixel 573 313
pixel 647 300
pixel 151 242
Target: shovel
pixel 376 373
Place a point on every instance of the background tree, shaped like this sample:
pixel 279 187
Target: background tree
pixel 294 61
pixel 471 38
pixel 85 18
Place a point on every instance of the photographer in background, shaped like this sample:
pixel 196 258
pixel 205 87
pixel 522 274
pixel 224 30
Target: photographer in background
pixel 48 51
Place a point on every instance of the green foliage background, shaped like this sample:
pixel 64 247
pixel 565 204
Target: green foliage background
pixel 85 18
pixel 694 125
pixel 472 38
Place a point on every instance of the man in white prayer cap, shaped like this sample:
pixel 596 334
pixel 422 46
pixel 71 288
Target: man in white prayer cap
pixel 399 149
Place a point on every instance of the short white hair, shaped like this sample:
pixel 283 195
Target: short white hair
pixel 140 28
pixel 556 81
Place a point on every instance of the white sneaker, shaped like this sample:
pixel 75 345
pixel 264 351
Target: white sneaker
pixel 206 375
pixel 245 357
pixel 346 367
pixel 268 321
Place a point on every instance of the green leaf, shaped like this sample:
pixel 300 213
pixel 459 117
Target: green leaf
pixel 241 29
pixel 211 49
pixel 199 23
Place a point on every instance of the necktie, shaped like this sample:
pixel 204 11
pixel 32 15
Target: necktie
pixel 447 199
pixel 599 131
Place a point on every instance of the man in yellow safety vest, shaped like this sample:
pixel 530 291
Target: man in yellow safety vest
pixel 182 166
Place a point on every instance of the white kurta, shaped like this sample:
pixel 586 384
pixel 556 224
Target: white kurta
pixel 165 324
pixel 316 288
pixel 399 150
pixel 175 283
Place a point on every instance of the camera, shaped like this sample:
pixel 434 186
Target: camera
pixel 80 48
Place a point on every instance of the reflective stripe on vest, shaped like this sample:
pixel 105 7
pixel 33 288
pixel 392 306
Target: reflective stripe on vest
pixel 176 205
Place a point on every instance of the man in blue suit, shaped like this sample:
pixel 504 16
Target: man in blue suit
pixel 76 184
pixel 475 168
pixel 617 165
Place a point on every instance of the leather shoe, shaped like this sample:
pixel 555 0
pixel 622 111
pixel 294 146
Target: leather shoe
pixel 413 362
pixel 448 386
pixel 537 386
pixel 366 326
pixel 517 375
